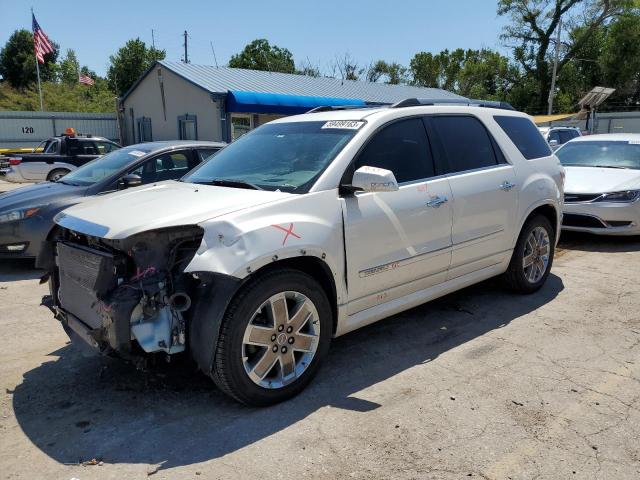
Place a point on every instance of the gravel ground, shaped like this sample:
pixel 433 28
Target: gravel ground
pixel 6 186
pixel 481 383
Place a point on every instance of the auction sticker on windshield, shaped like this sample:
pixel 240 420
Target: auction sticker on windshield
pixel 344 124
pixel 136 153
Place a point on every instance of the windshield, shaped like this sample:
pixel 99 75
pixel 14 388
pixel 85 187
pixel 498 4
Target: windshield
pixel 278 156
pixel 611 154
pixel 106 166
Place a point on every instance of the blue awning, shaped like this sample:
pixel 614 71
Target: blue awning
pixel 255 102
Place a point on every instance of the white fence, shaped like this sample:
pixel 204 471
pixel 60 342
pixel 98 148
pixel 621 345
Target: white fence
pixel 28 129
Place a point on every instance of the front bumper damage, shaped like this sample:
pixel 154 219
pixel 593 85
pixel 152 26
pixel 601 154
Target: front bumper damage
pixel 127 297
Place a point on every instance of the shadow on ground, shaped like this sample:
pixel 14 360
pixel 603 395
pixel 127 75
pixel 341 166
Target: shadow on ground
pixel 75 408
pixel 587 242
pixel 15 269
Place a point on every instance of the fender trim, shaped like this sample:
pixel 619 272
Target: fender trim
pixel 211 299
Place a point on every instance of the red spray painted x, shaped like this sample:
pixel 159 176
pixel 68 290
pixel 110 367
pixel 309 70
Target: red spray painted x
pixel 288 232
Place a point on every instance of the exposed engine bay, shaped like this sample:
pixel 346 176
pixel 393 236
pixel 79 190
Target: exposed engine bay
pixel 120 294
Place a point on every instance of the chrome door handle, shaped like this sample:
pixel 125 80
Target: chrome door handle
pixel 506 186
pixel 435 202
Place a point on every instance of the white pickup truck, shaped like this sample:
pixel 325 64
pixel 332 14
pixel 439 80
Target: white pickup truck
pixel 305 229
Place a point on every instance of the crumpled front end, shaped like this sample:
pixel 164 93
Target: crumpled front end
pixel 128 296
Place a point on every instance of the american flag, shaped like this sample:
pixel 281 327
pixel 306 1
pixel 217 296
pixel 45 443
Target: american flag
pixel 86 79
pixel 41 42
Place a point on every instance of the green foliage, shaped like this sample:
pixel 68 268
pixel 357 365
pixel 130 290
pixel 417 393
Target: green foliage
pixel 620 58
pixel 392 73
pixel 69 68
pixel 18 61
pixel 129 63
pixel 472 73
pixel 59 97
pixel 260 55
pixel 532 31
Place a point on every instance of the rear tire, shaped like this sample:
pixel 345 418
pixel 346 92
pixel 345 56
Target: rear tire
pixel 266 353
pixel 57 174
pixel 532 257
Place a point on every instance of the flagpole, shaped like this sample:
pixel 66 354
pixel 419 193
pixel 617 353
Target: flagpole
pixel 39 86
pixel 38 72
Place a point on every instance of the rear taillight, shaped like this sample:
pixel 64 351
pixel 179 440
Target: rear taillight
pixel 14 161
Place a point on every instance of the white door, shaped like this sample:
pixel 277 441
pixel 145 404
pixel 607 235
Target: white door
pixel 484 191
pixel 397 242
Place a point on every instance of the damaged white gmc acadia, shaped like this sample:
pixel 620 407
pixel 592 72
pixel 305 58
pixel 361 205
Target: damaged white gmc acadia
pixel 305 229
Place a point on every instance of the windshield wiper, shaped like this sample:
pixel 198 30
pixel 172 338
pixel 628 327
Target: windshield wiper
pixel 67 183
pixel 229 182
pixel 610 166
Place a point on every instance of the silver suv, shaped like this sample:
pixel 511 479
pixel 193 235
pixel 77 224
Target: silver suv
pixel 305 229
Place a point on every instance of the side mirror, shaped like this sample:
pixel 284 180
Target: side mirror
pixel 373 179
pixel 554 143
pixel 131 180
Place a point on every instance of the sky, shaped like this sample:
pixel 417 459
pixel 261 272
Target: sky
pixel 314 31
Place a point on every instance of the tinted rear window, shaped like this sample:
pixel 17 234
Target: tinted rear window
pixel 525 136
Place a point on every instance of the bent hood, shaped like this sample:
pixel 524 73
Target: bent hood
pixel 165 204
pixel 600 180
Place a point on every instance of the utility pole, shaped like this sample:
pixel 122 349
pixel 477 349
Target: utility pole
pixel 214 54
pixel 186 52
pixel 552 92
pixel 153 39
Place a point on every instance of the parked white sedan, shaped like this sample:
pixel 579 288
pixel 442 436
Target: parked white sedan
pixel 602 189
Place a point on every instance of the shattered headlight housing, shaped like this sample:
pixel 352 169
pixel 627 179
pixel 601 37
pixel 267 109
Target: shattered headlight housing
pixel 627 196
pixel 19 214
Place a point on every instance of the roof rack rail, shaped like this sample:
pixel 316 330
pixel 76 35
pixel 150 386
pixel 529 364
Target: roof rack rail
pixel 330 108
pixel 416 102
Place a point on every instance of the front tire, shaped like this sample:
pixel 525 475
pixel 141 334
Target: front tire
pixel 532 257
pixel 273 337
pixel 57 174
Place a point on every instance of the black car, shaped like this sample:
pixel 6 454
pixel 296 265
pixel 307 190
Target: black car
pixel 26 214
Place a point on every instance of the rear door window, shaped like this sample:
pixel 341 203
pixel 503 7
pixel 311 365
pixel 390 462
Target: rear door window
pixel 465 142
pixel 401 147
pixel 171 166
pixel 525 136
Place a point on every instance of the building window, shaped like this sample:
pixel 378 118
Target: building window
pixel 144 129
pixel 188 127
pixel 240 124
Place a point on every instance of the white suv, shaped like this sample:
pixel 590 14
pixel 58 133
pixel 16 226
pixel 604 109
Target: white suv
pixel 305 229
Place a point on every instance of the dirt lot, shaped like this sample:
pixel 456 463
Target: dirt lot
pixel 481 383
pixel 6 186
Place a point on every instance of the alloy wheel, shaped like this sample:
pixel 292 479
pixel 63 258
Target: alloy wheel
pixel 281 340
pixel 536 255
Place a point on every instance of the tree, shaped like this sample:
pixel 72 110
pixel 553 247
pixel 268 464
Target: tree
pixel 260 55
pixel 69 68
pixel 620 59
pixel 481 74
pixel 308 69
pixel 439 71
pixel 532 31
pixel 129 63
pixel 346 67
pixel 18 61
pixel 392 73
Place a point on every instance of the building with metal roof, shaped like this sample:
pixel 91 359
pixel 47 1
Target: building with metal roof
pixel 174 100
